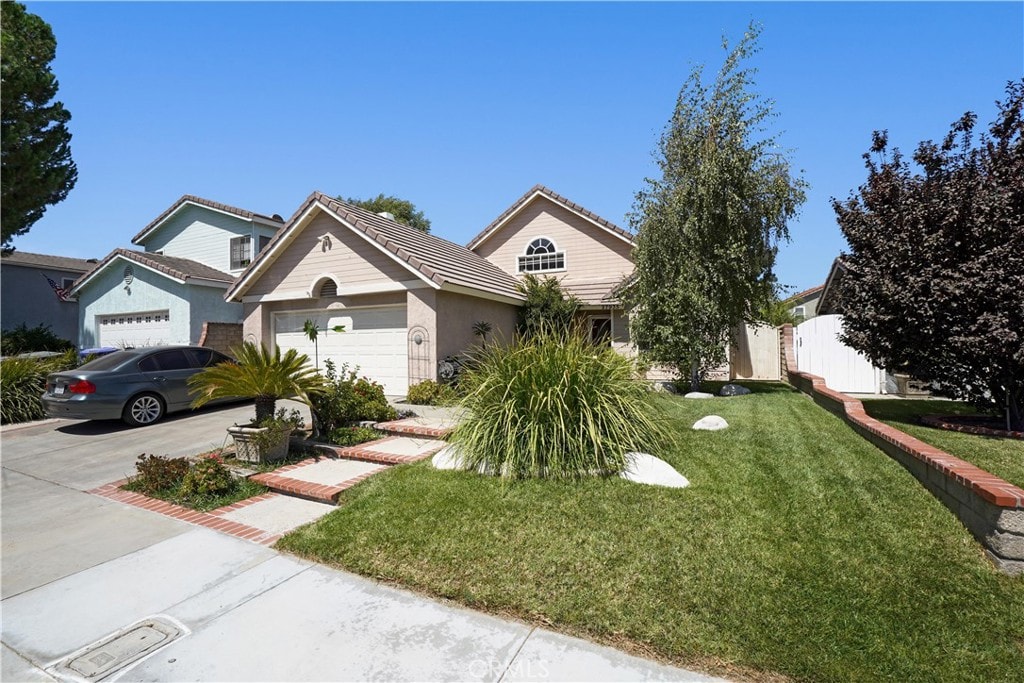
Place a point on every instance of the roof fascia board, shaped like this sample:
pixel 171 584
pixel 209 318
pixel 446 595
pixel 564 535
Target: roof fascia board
pixel 121 257
pixel 481 294
pixel 355 290
pixel 540 193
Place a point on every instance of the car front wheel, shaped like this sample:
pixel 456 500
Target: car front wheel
pixel 144 409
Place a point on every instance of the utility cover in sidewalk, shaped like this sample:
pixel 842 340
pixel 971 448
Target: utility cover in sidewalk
pixel 118 651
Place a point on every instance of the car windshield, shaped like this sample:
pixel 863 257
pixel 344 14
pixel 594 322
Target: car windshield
pixel 110 361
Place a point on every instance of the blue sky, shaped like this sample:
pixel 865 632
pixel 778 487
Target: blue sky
pixel 462 107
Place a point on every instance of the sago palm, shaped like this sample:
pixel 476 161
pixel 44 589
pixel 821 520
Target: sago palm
pixel 260 375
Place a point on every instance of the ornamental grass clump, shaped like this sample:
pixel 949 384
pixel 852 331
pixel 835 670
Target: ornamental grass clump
pixel 554 406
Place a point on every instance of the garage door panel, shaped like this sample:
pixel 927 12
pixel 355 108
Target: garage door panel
pixel 374 340
pixel 135 329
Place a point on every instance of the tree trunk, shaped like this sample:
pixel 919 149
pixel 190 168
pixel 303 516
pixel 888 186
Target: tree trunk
pixel 1015 411
pixel 695 376
pixel 265 408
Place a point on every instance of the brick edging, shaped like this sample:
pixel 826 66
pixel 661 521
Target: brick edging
pixel 210 520
pixel 990 507
pixel 950 423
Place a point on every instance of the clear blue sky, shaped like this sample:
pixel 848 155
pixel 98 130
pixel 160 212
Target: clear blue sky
pixel 463 107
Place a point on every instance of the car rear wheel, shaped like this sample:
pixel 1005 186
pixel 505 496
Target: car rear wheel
pixel 144 409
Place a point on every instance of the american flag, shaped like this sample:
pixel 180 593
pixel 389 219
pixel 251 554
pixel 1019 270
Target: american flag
pixel 62 293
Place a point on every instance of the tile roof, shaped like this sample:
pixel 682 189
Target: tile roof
pixel 593 292
pixel 435 259
pixel 557 198
pixel 25 258
pixel 806 292
pixel 192 199
pixel 178 268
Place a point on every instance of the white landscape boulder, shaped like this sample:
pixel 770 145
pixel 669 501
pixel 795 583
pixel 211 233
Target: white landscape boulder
pixel 711 423
pixel 698 394
pixel 447 459
pixel 644 468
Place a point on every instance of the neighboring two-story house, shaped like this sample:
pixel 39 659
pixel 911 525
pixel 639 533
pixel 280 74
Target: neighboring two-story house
pixel 407 299
pixel 163 294
pixel 35 291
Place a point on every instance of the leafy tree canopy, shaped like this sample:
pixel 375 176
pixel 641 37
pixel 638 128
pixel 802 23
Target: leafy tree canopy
pixel 37 166
pixel 708 228
pixel 935 273
pixel 403 210
pixel 547 309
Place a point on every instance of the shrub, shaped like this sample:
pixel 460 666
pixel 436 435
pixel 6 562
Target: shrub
pixel 24 339
pixel 554 406
pixel 207 477
pixel 346 399
pixel 352 436
pixel 547 306
pixel 22 382
pixel 156 473
pixel 430 393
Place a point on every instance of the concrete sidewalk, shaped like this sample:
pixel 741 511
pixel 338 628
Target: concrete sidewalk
pixel 248 613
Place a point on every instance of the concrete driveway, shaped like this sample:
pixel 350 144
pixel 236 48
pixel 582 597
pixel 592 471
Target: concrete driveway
pixel 87 583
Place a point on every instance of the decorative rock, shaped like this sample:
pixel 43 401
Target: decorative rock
pixel 644 468
pixel 665 387
pixel 711 423
pixel 698 394
pixel 447 459
pixel 733 390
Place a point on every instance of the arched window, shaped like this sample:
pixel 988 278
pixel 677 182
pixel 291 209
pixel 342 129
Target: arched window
pixel 541 255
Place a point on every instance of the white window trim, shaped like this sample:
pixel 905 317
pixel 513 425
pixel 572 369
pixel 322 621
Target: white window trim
pixel 555 253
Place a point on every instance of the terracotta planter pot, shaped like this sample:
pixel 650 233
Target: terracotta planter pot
pixel 258 444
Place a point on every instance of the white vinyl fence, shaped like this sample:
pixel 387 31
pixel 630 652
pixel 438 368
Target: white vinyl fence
pixel 756 353
pixel 819 352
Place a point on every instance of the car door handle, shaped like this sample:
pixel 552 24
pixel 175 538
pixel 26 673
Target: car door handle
pixel 159 379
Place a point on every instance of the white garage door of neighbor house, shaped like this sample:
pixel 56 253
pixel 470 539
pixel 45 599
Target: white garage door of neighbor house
pixel 125 330
pixel 374 339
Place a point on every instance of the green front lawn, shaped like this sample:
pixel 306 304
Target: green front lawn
pixel 799 549
pixel 1003 457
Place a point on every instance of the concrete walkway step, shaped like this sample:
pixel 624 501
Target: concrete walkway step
pixel 391 450
pixel 318 479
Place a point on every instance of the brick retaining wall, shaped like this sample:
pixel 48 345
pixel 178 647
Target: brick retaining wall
pixel 991 508
pixel 221 336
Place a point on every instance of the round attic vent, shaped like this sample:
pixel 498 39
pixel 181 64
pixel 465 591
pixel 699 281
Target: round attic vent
pixel 129 275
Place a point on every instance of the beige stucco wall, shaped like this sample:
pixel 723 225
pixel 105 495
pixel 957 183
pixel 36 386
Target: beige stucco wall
pixel 349 258
pixel 591 252
pixel 456 315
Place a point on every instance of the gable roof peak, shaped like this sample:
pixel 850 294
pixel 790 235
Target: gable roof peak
pixel 208 203
pixel 540 190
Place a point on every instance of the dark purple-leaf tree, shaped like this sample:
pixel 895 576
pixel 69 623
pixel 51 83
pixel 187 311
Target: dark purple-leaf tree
pixel 934 285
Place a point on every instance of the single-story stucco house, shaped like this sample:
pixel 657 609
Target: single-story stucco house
pixel 408 299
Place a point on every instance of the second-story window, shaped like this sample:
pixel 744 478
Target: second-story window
pixel 541 254
pixel 241 252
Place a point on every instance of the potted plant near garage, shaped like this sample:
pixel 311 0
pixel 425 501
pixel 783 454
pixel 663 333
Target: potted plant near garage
pixel 267 378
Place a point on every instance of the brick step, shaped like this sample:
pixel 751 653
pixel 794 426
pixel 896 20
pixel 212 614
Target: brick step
pixel 415 426
pixel 391 450
pixel 319 479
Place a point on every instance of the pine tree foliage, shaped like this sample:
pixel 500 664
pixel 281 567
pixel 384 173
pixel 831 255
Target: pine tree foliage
pixel 708 229
pixel 934 285
pixel 36 145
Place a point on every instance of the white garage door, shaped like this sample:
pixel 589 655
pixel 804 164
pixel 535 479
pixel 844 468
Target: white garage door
pixel 374 339
pixel 126 330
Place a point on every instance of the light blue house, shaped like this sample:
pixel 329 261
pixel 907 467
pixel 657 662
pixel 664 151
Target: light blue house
pixel 164 294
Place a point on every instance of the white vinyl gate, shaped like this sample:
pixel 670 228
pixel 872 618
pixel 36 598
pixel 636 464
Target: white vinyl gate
pixel 819 352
